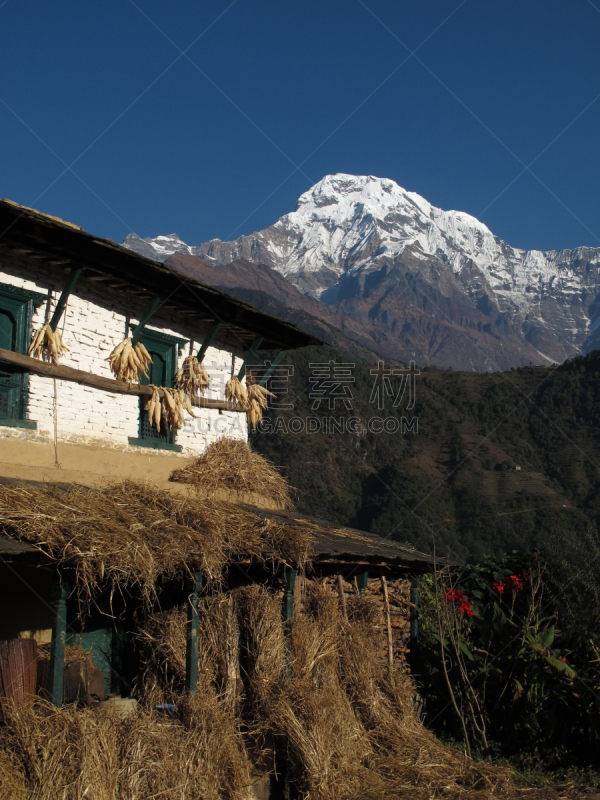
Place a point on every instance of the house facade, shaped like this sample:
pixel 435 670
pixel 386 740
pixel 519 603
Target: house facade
pixel 63 425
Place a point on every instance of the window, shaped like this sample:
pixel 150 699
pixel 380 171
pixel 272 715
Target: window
pixel 163 350
pixel 16 312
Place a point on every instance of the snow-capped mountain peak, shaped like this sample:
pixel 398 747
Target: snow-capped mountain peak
pixel 348 229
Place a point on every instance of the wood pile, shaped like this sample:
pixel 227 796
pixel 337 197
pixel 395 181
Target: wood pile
pixel 392 644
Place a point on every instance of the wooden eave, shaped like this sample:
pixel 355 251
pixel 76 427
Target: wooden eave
pixel 26 234
pixel 333 544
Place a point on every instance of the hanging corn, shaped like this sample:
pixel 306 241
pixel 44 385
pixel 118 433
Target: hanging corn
pixel 236 392
pixel 257 399
pixel 192 377
pixel 47 345
pixel 174 402
pixel 127 361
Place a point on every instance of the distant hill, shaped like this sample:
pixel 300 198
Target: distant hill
pixel 500 461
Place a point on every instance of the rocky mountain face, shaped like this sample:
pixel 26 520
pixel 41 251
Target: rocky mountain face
pixel 267 290
pixel 415 282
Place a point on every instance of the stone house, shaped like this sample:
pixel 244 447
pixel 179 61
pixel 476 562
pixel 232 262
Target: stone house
pixel 74 422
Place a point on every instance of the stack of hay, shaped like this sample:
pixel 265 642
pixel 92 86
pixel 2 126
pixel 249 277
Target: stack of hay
pixel 230 468
pixel 322 700
pixel 345 726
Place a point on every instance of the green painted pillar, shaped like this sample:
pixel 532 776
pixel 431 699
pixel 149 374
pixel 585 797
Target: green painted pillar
pixel 249 356
pixel 59 635
pixel 208 340
pixel 193 621
pixel 74 276
pixel 289 581
pixel 363 581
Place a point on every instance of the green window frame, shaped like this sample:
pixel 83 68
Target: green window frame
pixel 16 313
pixel 163 349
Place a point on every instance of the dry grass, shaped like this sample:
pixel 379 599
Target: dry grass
pixel 70 754
pixel 231 464
pixel 130 534
pixel 346 727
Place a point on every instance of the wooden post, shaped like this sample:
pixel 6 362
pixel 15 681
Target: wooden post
pixel 363 582
pixel 208 340
pixel 414 624
pixel 278 358
pixel 388 620
pixel 250 354
pixel 59 635
pixel 342 597
pixel 62 301
pixel 191 645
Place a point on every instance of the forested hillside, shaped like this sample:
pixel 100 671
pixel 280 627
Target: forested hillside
pixel 455 482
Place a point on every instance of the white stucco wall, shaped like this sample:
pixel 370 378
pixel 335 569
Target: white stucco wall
pixel 91 328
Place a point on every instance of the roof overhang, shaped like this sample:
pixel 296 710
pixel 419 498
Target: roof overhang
pixel 26 234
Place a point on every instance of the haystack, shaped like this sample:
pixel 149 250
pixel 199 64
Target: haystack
pixel 230 469
pixel 341 722
pixel 323 705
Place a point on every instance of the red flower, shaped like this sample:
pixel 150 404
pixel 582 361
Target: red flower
pixel 465 606
pixel 453 595
pixel 499 586
pixel 514 583
pixel 563 659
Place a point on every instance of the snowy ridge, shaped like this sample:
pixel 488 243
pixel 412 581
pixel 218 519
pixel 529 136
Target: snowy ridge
pixel 347 226
pixel 347 223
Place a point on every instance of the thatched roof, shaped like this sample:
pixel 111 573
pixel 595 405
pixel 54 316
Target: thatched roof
pixel 131 534
pixel 10 547
pixel 331 543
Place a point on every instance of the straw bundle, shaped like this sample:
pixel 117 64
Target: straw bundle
pixel 130 534
pixel 47 345
pixel 68 753
pixel 231 464
pixel 345 726
pixel 161 641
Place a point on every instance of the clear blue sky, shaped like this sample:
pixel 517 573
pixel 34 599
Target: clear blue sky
pixel 209 149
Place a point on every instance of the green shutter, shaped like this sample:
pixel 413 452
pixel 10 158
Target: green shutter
pixel 16 311
pixel 161 347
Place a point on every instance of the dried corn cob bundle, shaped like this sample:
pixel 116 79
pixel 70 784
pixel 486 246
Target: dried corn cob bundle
pixel 153 407
pixel 259 394
pixel 236 392
pixel 175 402
pixel 127 361
pixel 254 414
pixel 186 402
pixel 47 345
pixel 192 377
pixel 170 408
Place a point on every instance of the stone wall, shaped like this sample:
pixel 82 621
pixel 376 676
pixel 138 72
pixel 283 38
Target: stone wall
pixel 95 321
